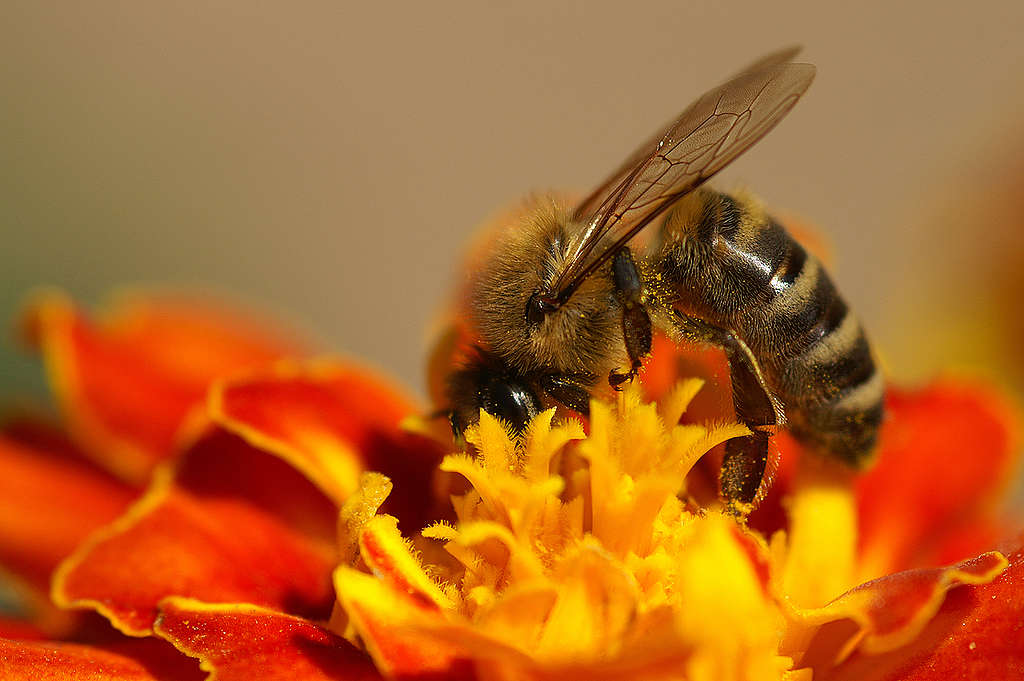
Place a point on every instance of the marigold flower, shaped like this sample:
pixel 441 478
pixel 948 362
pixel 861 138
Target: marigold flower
pixel 293 518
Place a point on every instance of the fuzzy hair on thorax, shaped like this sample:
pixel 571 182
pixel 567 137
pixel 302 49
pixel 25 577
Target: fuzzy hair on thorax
pixel 583 336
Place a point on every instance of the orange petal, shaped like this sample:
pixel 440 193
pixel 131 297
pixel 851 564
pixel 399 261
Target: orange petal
pixel 128 382
pixel 977 634
pixel 946 454
pixel 395 625
pixel 332 421
pixel 146 660
pixel 388 555
pixel 888 613
pixel 257 533
pixel 240 642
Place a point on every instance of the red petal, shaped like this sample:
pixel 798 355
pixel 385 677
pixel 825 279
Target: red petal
pixel 130 661
pixel 50 500
pixel 977 634
pixel 242 642
pixel 128 383
pixel 914 512
pixel 237 525
pixel 14 628
pixel 946 454
pixel 332 421
pixel 671 362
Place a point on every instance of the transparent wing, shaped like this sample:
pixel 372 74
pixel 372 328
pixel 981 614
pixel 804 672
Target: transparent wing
pixel 589 205
pixel 709 135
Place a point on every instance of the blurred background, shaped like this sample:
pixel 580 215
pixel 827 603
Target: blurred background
pixel 328 161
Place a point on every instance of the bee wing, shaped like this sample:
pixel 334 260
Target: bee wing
pixel 706 137
pixel 590 204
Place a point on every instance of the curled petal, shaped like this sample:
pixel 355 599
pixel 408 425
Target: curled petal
pixel 591 583
pixel 976 634
pixel 332 421
pixel 886 613
pixel 129 382
pixel 358 510
pixel 220 539
pixel 129 661
pixel 240 642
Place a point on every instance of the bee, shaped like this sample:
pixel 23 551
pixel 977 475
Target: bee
pixel 566 300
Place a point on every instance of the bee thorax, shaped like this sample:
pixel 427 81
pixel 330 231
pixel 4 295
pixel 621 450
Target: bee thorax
pixel 581 335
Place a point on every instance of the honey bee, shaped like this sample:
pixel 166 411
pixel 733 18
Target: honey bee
pixel 565 300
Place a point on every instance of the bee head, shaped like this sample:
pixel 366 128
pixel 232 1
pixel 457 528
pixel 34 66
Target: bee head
pixel 486 382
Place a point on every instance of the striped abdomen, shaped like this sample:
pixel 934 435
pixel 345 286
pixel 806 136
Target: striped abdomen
pixel 728 263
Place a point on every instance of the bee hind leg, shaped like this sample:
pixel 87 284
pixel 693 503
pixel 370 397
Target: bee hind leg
pixel 749 460
pixel 745 468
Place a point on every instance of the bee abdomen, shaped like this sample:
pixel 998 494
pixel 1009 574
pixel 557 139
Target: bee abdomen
pixel 823 365
pixel 810 344
pixel 733 266
pixel 848 434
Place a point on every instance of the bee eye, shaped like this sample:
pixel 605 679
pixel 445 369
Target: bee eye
pixel 538 307
pixel 511 401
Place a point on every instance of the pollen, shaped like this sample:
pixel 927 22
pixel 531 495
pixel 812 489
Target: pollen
pixel 573 555
pixel 573 549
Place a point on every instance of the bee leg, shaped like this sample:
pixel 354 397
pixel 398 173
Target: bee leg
pixel 744 468
pixel 569 389
pixel 747 459
pixel 636 323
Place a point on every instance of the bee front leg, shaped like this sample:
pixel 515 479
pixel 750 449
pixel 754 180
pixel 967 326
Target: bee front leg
pixel 747 460
pixel 636 323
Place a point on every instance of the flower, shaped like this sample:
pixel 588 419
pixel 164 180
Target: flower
pixel 216 493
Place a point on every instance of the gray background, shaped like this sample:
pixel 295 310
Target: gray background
pixel 329 161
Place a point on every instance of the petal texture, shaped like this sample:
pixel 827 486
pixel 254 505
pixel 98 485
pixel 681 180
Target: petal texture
pixel 235 524
pixel 978 633
pixel 128 382
pixel 51 498
pixel 241 642
pixel 332 421
pixel 130 661
pixel 946 456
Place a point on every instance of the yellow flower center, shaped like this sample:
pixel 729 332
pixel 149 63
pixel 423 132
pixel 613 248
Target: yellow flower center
pixel 573 556
pixel 582 555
